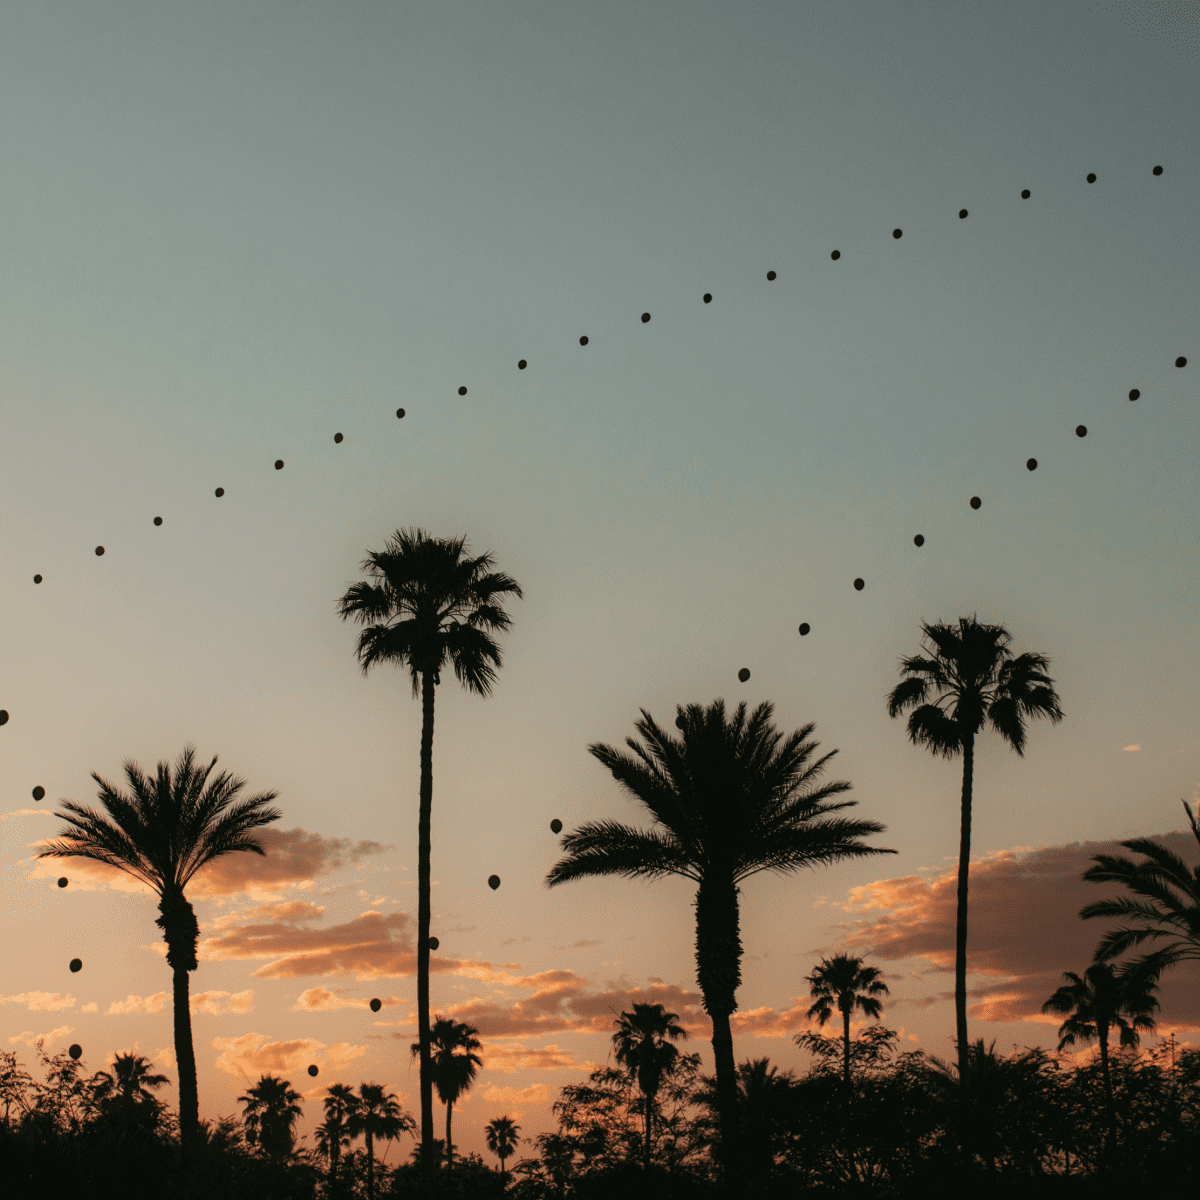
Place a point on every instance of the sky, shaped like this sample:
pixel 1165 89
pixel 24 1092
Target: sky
pixel 232 231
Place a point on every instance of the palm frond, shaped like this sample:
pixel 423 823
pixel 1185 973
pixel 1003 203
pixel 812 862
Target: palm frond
pixel 610 848
pixel 929 726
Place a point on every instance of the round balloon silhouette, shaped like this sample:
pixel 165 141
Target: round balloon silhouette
pixel 708 297
pixel 462 391
pixel 75 1050
pixel 804 628
pixel 556 826
pixel 975 502
pixel 39 792
pixel 897 233
pixel 99 551
pixel 158 520
pixel 376 1005
pixel 919 540
pixel 1181 361
pixel 836 255
pixel 312 1070
pixel 62 881
pixel 1156 171
pixel 337 438
pixel 37 579
pixel 76 965
pixel 1091 178
pixel 962 212
pixel 770 275
pixel 583 341
pixel 1031 464
pixel 1081 431
pixel 400 412
pixel 434 943
pixel 3 716
pixel 279 464
pixel 744 674
pixel 679 722
pixel 859 585
pixel 522 365
pixel 645 318
pixel 1025 194
pixel 1134 393
pixel 219 493
pixel 493 882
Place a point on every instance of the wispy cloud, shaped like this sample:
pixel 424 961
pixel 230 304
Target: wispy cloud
pixel 31 1039
pixel 1135 746
pixel 40 1001
pixel 216 1003
pixel 135 1004
pixel 256 1054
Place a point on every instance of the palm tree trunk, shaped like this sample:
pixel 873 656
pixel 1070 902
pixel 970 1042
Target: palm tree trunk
pixel 185 1062
pixel 846 1049
pixel 960 930
pixel 370 1165
pixel 647 1132
pixel 423 918
pixel 449 1143
pixel 718 970
pixel 1109 1107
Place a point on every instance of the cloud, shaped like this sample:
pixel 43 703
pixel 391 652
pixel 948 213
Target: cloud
pixel 319 999
pixel 164 1058
pixel 1024 927
pixel 31 1039
pixel 513 1058
pixel 1135 746
pixel 135 1004
pixel 215 1003
pixel 516 1101
pixel 40 1001
pixel 255 1054
pixel 92 1007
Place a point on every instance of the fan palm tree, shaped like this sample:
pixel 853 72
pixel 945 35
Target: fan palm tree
pixel 1170 906
pixel 502 1140
pixel 453 1072
pixel 426 606
pixel 1104 999
pixel 271 1113
pixel 730 797
pixel 128 1090
pixel 377 1113
pixel 643 1049
pixel 968 674
pixel 162 832
pixel 333 1134
pixel 845 981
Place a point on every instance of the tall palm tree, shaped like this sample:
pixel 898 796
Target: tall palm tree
pixel 1170 906
pixel 844 980
pixel 453 1072
pixel 502 1140
pixel 333 1134
pixel 1104 999
pixel 643 1045
pixel 968 674
pixel 162 832
pixel 377 1113
pixel 271 1113
pixel 426 606
pixel 730 797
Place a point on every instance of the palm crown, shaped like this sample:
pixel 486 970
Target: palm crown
pixel 271 1113
pixel 1103 999
pixel 844 982
pixel 502 1138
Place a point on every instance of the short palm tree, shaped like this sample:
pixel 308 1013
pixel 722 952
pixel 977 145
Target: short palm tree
pixel 333 1134
pixel 427 606
pixel 162 832
pixel 454 1064
pixel 271 1113
pixel 729 797
pixel 1170 904
pixel 844 981
pixel 129 1089
pixel 502 1140
pixel 968 674
pixel 643 1045
pixel 377 1113
pixel 1102 1000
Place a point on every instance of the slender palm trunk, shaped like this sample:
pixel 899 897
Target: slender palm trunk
pixel 185 1062
pixel 648 1130
pixel 333 1165
pixel 1109 1107
pixel 423 917
pixel 846 1047
pixel 503 1172
pixel 370 1165
pixel 960 930
pixel 449 1143
pixel 718 968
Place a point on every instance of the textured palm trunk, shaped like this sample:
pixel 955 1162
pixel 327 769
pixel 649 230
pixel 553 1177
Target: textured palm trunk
pixel 334 1150
pixel 423 919
pixel 449 1143
pixel 718 970
pixel 960 929
pixel 845 1047
pixel 1109 1106
pixel 181 933
pixel 648 1133
pixel 370 1165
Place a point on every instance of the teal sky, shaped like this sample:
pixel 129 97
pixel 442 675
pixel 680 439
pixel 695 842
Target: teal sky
pixel 231 231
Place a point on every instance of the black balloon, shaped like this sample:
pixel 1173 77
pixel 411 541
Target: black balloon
pixel 645 318
pixel 522 365
pixel 556 826
pixel 3 716
pixel 75 1050
pixel 39 792
pixel 312 1070
pixel 708 297
pixel 1031 464
pixel 962 212
pixel 219 493
pixel 76 965
pixel 462 391
pixel 583 341
pixel 744 674
pixel 896 233
pixel 1156 171
pixel 1025 194
pixel 1091 178
pixel 859 585
pixel 279 464
pixel 836 255
pixel 400 412
pixel 158 520
pixel 1181 361
pixel 434 943
pixel 804 628
pixel 975 502
pixel 99 551
pixel 37 579
pixel 376 1005
pixel 1081 431
pixel 770 274
pixel 919 540
pixel 1134 394
pixel 493 882
pixel 679 722
pixel 337 437
pixel 62 882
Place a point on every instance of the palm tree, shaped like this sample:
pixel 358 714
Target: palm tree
pixel 162 833
pixel 730 798
pixel 377 1113
pixel 453 1073
pixel 271 1114
pixel 129 1089
pixel 1100 1001
pixel 644 1051
pixel 333 1134
pixel 971 671
pixel 502 1140
pixel 1170 904
pixel 844 980
pixel 428 606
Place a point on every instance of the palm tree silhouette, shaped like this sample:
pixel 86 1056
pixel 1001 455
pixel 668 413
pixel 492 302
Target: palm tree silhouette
pixel 643 1049
pixel 271 1113
pixel 128 1090
pixel 502 1140
pixel 453 1073
pixel 333 1134
pixel 970 670
pixel 845 981
pixel 377 1113
pixel 1102 1000
pixel 162 833
pixel 730 798
pixel 1170 904
pixel 428 606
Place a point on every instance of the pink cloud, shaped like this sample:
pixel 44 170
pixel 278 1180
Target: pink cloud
pixel 135 1004
pixel 510 1059
pixel 216 1003
pixel 255 1054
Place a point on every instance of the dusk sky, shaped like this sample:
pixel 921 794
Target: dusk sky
pixel 232 231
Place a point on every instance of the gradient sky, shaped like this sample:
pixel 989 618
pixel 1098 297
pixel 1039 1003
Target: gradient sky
pixel 233 230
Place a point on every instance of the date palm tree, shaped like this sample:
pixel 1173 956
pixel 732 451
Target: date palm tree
pixel 271 1113
pixel 162 832
pixel 729 797
pixel 1169 906
pixel 844 981
pixel 502 1140
pixel 454 1064
pixel 128 1091
pixel 967 674
pixel 426 606
pixel 333 1134
pixel 377 1113
pixel 643 1047
pixel 1103 1000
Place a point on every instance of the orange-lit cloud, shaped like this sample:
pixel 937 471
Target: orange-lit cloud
pixel 255 1054
pixel 40 1001
pixel 91 1007
pixel 135 1004
pixel 320 999
pixel 515 1102
pixel 31 1039
pixel 1135 746
pixel 509 1059
pixel 215 1003
pixel 1024 928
